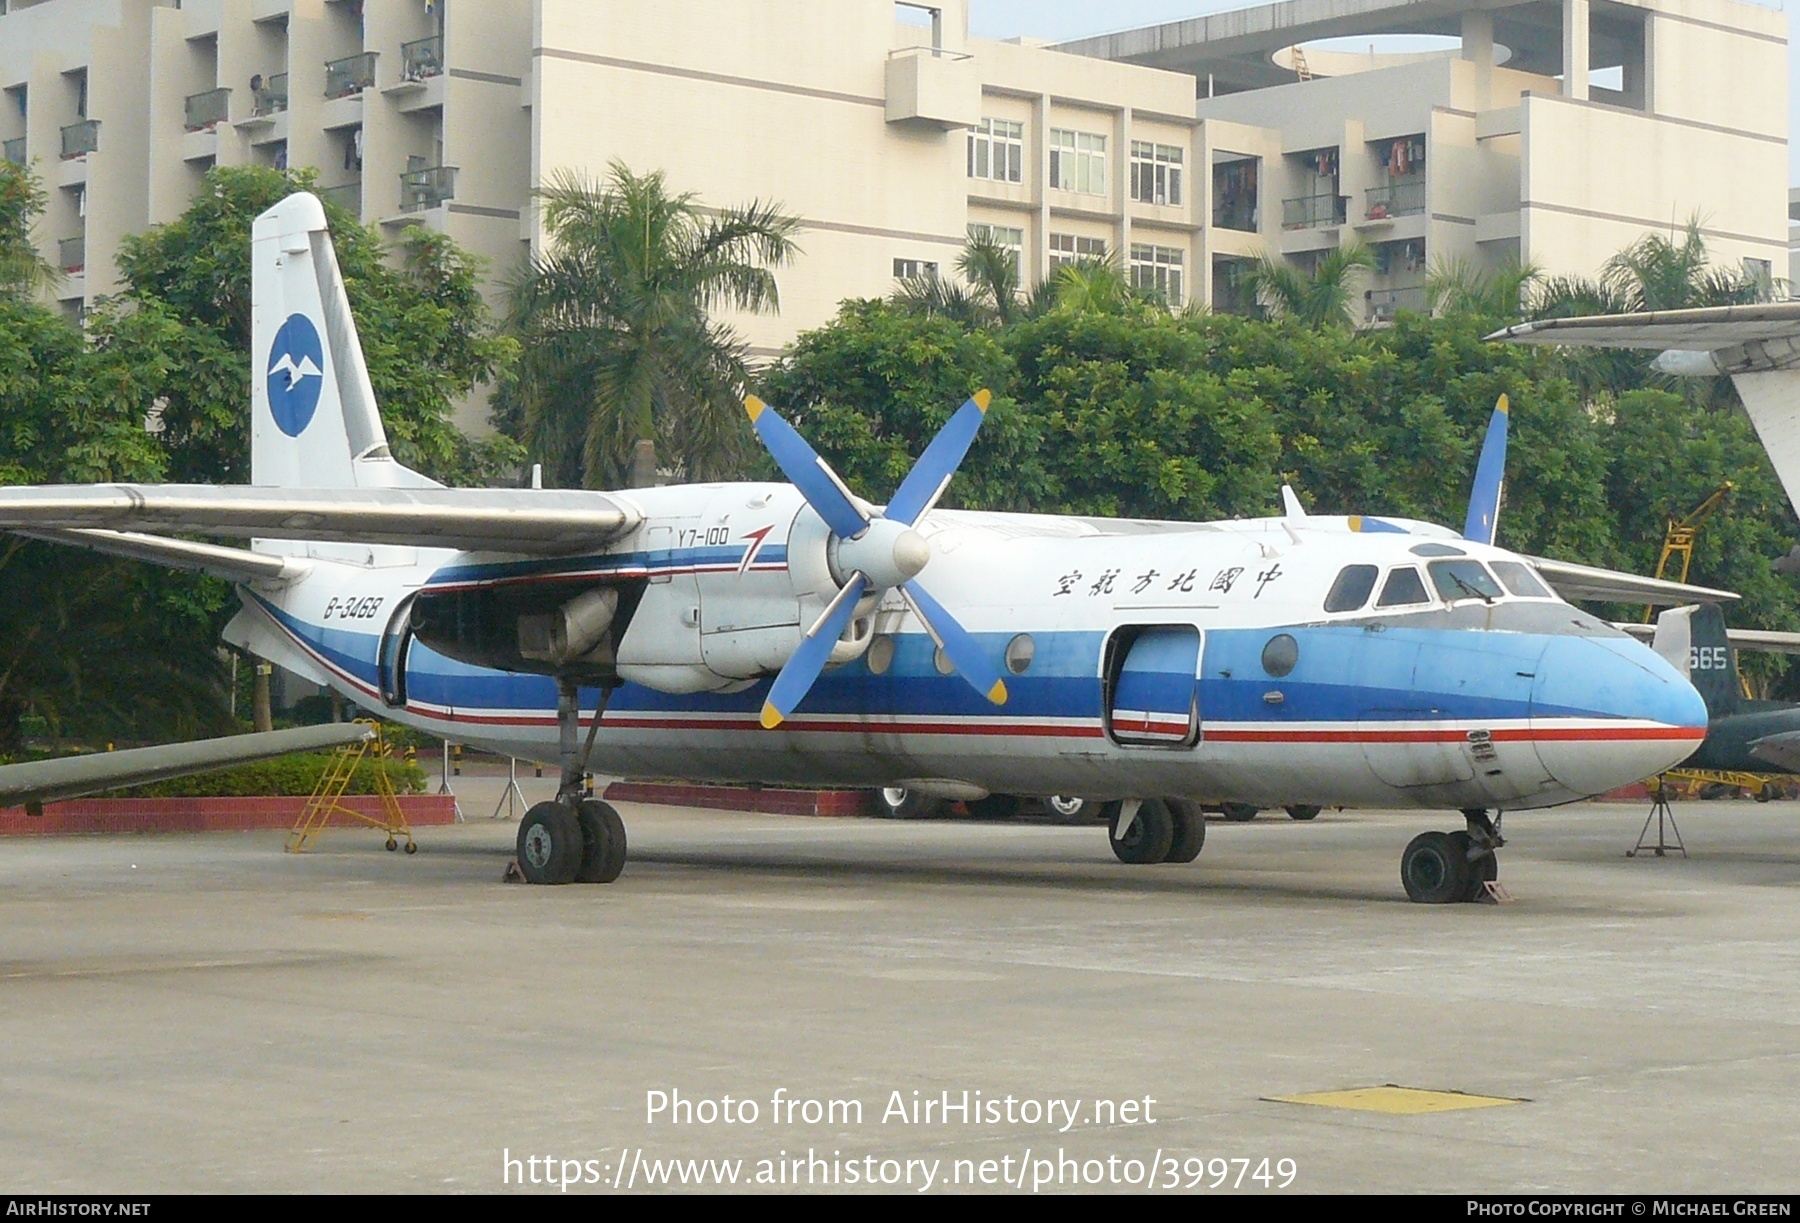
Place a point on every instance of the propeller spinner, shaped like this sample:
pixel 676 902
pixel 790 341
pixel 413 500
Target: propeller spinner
pixel 879 549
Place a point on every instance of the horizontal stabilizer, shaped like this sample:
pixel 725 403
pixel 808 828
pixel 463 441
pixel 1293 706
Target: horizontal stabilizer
pixel 1782 751
pixel 535 522
pixel 1574 582
pixel 232 564
pixel 1767 641
pixel 42 781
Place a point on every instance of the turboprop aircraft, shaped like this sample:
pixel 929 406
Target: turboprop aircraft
pixel 797 633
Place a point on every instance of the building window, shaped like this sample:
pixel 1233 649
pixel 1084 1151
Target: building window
pixel 1073 248
pixel 1157 269
pixel 914 269
pixel 1011 240
pixel 1077 161
pixel 1155 173
pixel 997 150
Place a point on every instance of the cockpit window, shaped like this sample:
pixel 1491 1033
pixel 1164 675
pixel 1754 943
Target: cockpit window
pixel 1403 587
pixel 1352 588
pixel 1521 580
pixel 1463 580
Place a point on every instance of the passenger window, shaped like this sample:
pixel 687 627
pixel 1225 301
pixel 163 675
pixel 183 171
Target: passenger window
pixel 1519 579
pixel 1404 586
pixel 1463 580
pixel 1352 588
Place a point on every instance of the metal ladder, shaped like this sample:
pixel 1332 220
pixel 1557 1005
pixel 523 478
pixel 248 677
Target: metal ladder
pixel 327 797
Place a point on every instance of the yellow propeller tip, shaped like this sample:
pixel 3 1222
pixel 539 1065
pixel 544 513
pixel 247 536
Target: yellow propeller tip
pixel 754 406
pixel 771 716
pixel 1355 522
pixel 1502 406
pixel 997 694
pixel 982 398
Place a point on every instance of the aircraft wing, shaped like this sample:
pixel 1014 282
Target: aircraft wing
pixel 1782 751
pixel 1707 329
pixel 537 522
pixel 42 781
pixel 232 564
pixel 1768 641
pixel 1574 582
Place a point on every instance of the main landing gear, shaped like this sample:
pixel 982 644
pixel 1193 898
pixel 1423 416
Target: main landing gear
pixel 1151 830
pixel 1448 867
pixel 572 839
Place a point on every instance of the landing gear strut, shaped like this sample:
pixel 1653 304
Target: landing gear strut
pixel 572 839
pixel 1450 867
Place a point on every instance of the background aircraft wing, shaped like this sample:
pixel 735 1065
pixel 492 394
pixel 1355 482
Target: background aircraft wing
pixel 1781 750
pixel 530 521
pixel 1769 641
pixel 42 781
pixel 1706 329
pixel 232 564
pixel 1574 582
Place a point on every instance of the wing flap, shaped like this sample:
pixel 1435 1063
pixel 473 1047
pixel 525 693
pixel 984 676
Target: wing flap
pixel 548 522
pixel 232 564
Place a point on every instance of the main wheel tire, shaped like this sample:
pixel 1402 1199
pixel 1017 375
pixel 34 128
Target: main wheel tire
pixel 1149 836
pixel 995 807
pixel 1069 809
pixel 550 844
pixel 1239 813
pixel 1304 811
pixel 602 842
pixel 1434 870
pixel 1483 869
pixel 1190 830
pixel 899 803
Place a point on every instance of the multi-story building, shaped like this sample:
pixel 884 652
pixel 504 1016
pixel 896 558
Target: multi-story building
pixel 1552 131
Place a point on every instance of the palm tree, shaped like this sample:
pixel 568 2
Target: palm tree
pixel 23 272
pixel 1653 273
pixel 1460 286
pixel 1325 297
pixel 620 354
pixel 1093 286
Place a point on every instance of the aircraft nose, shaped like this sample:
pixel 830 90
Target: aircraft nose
pixel 1607 711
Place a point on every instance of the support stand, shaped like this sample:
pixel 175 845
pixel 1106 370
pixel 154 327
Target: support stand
pixel 512 798
pixel 1663 814
pixel 444 785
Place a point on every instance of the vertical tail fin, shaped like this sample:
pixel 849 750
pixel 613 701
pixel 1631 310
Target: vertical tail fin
pixel 313 420
pixel 1694 641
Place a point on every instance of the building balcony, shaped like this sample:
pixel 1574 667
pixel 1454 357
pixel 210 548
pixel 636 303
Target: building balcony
pixel 272 98
pixel 1384 304
pixel 15 150
pixel 1401 197
pixel 931 86
pixel 422 58
pixel 1312 211
pixel 350 75
pixel 80 139
pixel 427 188
pixel 347 196
pixel 203 111
pixel 71 255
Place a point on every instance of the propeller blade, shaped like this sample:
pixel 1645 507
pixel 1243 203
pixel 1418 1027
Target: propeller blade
pixel 925 482
pixel 1374 526
pixel 1490 480
pixel 808 662
pixel 806 471
pixel 956 643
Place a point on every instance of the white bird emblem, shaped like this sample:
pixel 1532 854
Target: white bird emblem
pixel 295 373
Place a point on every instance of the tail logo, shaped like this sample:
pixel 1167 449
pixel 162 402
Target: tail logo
pixel 296 375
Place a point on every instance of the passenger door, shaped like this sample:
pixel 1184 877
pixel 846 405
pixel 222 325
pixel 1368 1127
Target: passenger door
pixel 1153 691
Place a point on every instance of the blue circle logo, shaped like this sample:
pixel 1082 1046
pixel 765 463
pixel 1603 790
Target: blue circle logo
pixel 296 375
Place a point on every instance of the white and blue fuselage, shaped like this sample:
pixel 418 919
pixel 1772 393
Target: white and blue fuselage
pixel 1274 661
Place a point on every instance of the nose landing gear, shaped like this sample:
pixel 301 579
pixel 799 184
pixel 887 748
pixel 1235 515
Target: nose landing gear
pixel 1450 867
pixel 572 839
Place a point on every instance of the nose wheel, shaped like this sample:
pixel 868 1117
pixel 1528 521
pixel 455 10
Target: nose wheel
pixel 1440 868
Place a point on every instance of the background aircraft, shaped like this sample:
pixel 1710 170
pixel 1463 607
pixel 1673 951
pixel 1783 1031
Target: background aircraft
pixel 797 633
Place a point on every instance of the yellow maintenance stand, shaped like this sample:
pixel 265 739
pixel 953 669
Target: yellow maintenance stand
pixel 327 797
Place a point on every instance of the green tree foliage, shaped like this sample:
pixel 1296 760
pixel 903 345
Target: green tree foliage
pixel 1323 297
pixel 423 326
pixel 619 346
